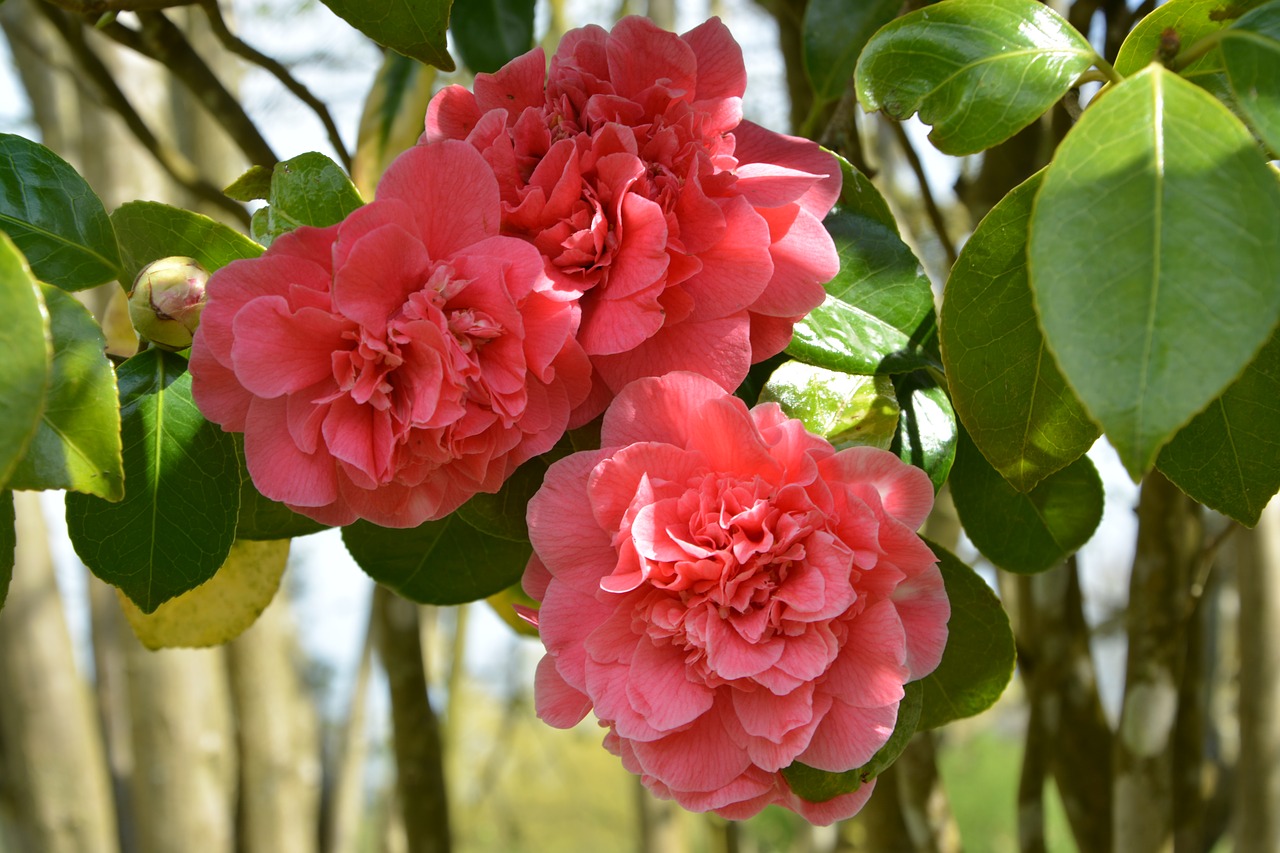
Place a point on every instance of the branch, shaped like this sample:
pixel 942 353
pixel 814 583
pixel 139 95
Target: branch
pixel 235 45
pixel 96 8
pixel 930 205
pixel 159 39
pixel 178 167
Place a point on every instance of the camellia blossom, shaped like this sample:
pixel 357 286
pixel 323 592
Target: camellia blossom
pixel 729 594
pixel 692 237
pixel 393 365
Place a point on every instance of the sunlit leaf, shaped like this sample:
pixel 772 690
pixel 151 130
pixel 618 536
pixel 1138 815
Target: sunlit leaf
pixel 1154 256
pixel 977 70
pixel 54 218
pixel 926 435
pixel 76 445
pixel 845 409
pixel 177 521
pixel 439 562
pixel 24 340
pixel 978 661
pixel 220 609
pixel 1251 56
pixel 1228 457
pixel 309 189
pixel 149 231
pixel 415 28
pixel 1004 383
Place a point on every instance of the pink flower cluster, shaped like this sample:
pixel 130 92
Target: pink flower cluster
pixel 730 595
pixel 691 238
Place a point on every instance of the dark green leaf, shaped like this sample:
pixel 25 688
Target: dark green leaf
pixel 415 28
pixel 54 218
pixel 1251 55
pixel 8 542
pixel 1154 257
pixel 818 786
pixel 24 340
pixel 177 521
pixel 1228 457
pixel 844 409
pixel 149 231
pixel 859 196
pixel 878 272
pixel 309 189
pixel 253 185
pixel 77 443
pixel 502 514
pixel 490 33
pixel 1029 532
pixel 926 426
pixel 978 661
pixel 1004 383
pixel 977 70
pixel 260 517
pixel 835 31
pixel 440 562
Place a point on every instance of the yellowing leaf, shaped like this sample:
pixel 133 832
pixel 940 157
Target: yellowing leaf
pixel 221 608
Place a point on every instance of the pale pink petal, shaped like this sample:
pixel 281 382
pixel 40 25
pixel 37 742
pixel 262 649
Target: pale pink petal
pixel 639 51
pixel 737 269
pixel 924 609
pixel 758 145
pixel 905 491
pixel 717 349
pixel 657 409
pixel 849 736
pixel 829 811
pixel 803 259
pixel 765 715
pixel 217 391
pixel 535 579
pixel 700 758
pixel 722 75
pixel 660 689
pixel 578 554
pixel 452 114
pixel 557 704
pixel 871 668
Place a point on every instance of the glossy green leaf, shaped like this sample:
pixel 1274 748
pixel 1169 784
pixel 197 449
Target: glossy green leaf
pixel 844 409
pixel 926 435
pixel 440 562
pixel 835 31
pixel 54 218
pixel 24 340
pixel 977 70
pixel 8 542
pixel 1228 457
pixel 76 445
pixel 859 196
pixel 844 337
pixel 1004 383
pixel 490 33
pixel 149 231
pixel 261 518
pixel 978 661
pixel 879 274
pixel 309 189
pixel 818 786
pixel 177 521
pixel 253 185
pixel 1028 532
pixel 1251 56
pixel 416 28
pixel 502 514
pixel 1154 257
pixel 1174 26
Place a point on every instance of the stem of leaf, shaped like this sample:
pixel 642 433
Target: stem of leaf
pixel 1108 70
pixel 1197 50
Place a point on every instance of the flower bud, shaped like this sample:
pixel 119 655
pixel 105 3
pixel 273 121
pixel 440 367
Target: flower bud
pixel 166 301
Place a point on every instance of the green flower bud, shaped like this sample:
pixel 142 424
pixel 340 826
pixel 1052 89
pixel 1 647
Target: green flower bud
pixel 166 301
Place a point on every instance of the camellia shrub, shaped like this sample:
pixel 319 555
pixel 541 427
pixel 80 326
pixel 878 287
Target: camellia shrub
pixel 671 381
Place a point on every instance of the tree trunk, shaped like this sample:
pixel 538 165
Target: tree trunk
pixel 54 771
pixel 346 805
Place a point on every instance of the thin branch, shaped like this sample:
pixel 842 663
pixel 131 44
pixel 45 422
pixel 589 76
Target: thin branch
pixel 930 205
pixel 159 39
pixel 95 8
pixel 178 167
pixel 235 45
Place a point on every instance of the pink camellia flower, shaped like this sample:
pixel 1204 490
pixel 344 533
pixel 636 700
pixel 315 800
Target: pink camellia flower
pixel 730 595
pixel 693 237
pixel 391 366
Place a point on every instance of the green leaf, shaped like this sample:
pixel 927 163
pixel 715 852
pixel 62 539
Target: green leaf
pixel 926 435
pixel 1173 27
pixel 977 70
pixel 818 786
pixel 24 340
pixel 1251 55
pixel 502 514
pixel 1029 532
pixel 439 562
pixel 253 185
pixel 1154 257
pixel 490 33
pixel 835 31
pixel 309 189
pixel 1228 457
pixel 844 409
pixel 77 442
pixel 260 517
pixel 8 542
pixel 54 218
pixel 859 196
pixel 978 661
pixel 415 28
pixel 149 231
pixel 177 521
pixel 844 337
pixel 1004 383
